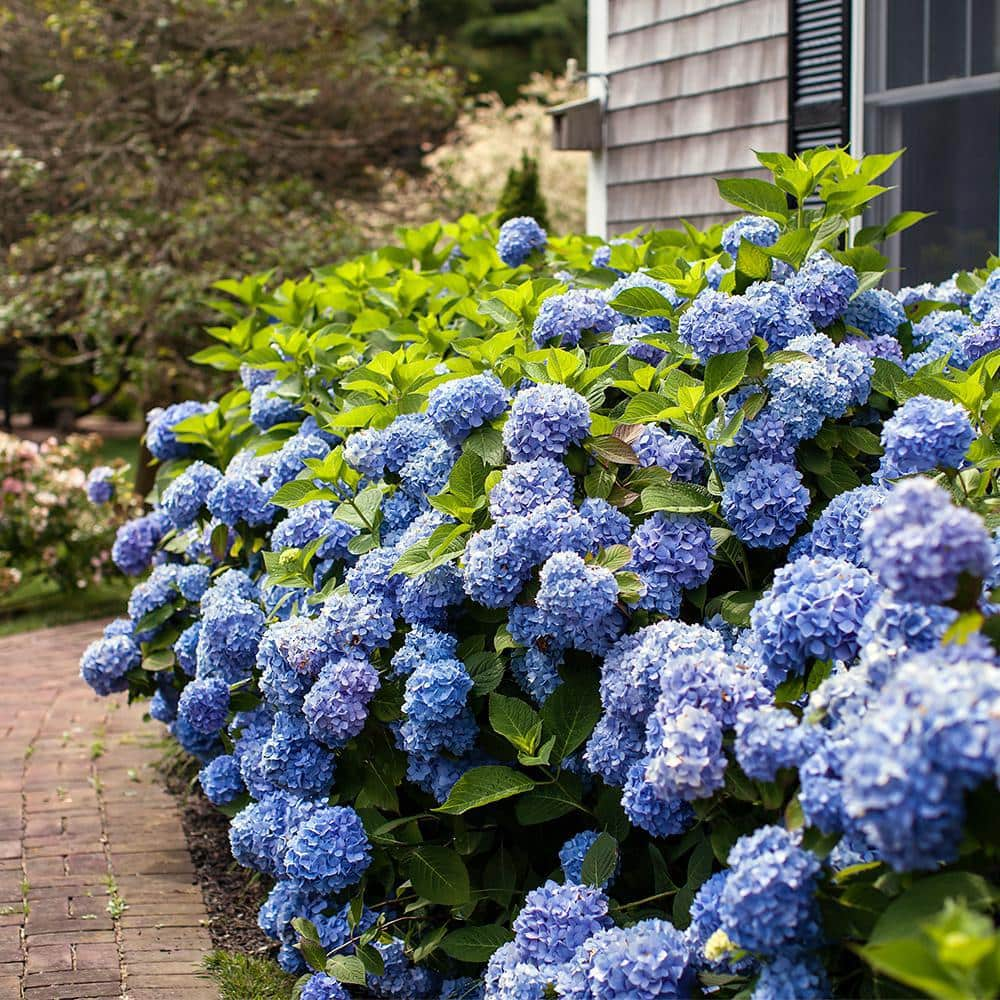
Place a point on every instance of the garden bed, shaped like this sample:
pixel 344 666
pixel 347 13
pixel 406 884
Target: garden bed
pixel 232 894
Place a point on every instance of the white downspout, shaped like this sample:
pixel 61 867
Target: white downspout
pixel 597 63
pixel 856 97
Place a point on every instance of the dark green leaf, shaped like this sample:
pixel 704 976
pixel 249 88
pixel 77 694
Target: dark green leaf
pixel 679 498
pixel 475 944
pixel 515 720
pixel 600 861
pixel 439 874
pixel 570 714
pixel 484 785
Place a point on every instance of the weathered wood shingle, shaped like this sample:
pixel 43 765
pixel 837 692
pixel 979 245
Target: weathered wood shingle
pixel 694 87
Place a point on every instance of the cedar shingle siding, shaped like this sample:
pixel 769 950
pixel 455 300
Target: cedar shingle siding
pixel 694 87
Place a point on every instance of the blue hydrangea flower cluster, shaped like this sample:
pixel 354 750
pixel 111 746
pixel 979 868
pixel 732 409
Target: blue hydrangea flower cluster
pixel 779 318
pixel 814 610
pixel 101 484
pixel 824 287
pixel 160 423
pixel 756 229
pixel 563 319
pixel 518 239
pixel 923 434
pixel 716 323
pixel 544 421
pixel 765 503
pixel 876 313
pixel 676 453
pixel 919 543
pixel 457 408
pixel 107 661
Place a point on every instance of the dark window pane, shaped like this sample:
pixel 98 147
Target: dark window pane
pixel 904 43
pixel 947 39
pixel 950 167
pixel 985 36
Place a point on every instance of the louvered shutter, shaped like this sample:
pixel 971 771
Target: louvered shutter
pixel 820 73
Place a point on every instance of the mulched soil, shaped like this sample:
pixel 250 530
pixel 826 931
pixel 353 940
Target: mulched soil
pixel 232 894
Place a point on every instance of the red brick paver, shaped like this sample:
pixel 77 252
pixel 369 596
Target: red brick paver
pixel 97 892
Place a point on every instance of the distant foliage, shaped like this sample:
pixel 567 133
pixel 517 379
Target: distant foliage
pixel 151 147
pixel 499 44
pixel 522 193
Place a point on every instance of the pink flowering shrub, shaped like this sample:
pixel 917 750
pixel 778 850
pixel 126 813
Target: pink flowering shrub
pixel 49 527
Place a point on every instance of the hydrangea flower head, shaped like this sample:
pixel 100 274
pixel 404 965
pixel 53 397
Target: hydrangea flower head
pixel 160 437
pixel 221 781
pixel 336 706
pixel 544 421
pixel 756 229
pixel 978 341
pixel 556 919
pixel 779 317
pixel 767 904
pixel 328 849
pixel 319 986
pixel 824 287
pixel 577 602
pixel 267 409
pixel 185 496
pixel 923 434
pixel 457 408
pixel 918 543
pixel 813 610
pixel 136 541
pixel 716 323
pixel 837 531
pixel 875 312
pixel 562 319
pixel 525 485
pixel 100 484
pixel 765 503
pixel 106 662
pixel 676 453
pixel 518 239
pixel 647 809
pixel 204 704
pixel 672 551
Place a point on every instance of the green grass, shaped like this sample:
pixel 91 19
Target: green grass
pixel 240 977
pixel 127 448
pixel 39 604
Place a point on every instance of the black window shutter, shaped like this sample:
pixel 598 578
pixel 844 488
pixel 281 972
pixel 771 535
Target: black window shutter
pixel 820 73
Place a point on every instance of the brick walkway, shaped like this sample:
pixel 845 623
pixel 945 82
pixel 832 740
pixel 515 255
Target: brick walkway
pixel 97 891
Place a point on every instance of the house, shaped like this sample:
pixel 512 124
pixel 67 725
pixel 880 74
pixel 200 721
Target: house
pixel 688 89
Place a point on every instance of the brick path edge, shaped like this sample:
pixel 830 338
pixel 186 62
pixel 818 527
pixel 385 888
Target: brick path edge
pixel 98 896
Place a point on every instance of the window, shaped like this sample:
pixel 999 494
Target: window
pixel 932 85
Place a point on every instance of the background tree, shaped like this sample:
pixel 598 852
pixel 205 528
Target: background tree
pixel 152 146
pixel 522 193
pixel 500 43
